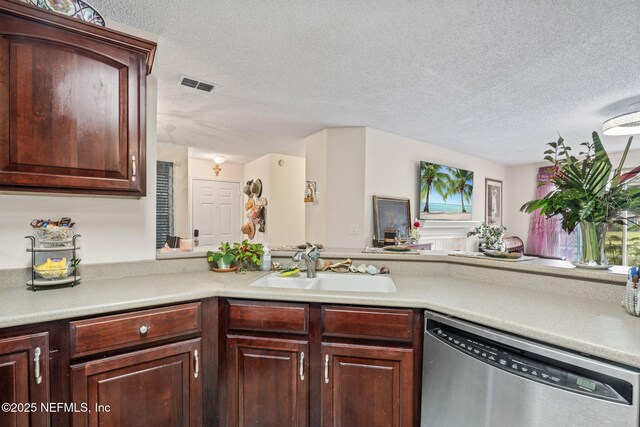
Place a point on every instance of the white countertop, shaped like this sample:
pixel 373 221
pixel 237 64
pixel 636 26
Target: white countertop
pixel 590 326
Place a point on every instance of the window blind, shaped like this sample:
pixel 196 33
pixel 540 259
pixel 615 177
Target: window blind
pixel 164 203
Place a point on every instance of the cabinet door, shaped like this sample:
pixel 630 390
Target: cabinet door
pixel 366 386
pixel 268 384
pixel 72 111
pixel 157 387
pixel 24 380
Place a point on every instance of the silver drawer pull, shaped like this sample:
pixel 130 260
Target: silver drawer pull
pixel 36 365
pixel 144 329
pixel 326 369
pixel 134 168
pixel 196 371
pixel 302 366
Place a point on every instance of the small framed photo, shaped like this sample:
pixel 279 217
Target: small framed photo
pixel 391 214
pixel 310 192
pixel 493 202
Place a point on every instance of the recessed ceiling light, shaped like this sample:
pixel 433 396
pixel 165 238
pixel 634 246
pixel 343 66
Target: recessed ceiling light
pixel 625 124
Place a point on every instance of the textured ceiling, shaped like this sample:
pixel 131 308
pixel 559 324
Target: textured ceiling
pixel 496 79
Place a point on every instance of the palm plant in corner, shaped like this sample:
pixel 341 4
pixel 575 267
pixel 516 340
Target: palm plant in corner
pixel 588 196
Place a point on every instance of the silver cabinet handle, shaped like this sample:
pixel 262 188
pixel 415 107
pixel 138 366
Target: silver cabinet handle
pixel 326 369
pixel 144 329
pixel 134 168
pixel 36 365
pixel 196 359
pixel 302 366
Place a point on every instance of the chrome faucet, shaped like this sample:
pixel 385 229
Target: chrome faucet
pixel 310 255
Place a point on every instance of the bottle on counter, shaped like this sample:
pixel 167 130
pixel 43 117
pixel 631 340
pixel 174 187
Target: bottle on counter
pixel 266 258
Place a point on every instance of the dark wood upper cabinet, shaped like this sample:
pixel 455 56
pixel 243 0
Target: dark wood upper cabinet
pixel 72 105
pixel 24 379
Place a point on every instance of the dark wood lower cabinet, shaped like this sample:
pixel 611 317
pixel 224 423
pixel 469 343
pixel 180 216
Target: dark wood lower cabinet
pixel 157 387
pixel 268 382
pixel 335 366
pixel 367 386
pixel 24 380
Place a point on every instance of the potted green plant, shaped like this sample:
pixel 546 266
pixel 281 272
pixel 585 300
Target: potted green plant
pixel 588 196
pixel 225 256
pixel 491 238
pixel 248 255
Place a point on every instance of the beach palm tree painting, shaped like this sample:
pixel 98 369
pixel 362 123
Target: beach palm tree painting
pixel 445 192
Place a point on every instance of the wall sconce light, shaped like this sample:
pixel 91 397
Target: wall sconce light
pixel 217 161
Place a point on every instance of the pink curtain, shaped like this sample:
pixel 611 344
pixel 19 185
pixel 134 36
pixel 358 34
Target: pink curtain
pixel 546 237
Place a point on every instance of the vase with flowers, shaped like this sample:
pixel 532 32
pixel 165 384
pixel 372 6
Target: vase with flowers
pixel 414 233
pixel 588 196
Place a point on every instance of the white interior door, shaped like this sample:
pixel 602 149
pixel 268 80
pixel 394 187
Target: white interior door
pixel 216 211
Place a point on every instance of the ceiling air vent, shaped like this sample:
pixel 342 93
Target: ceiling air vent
pixel 195 84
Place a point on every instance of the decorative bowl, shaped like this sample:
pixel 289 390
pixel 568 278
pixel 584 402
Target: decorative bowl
pixel 502 254
pixel 78 9
pixel 55 235
pixel 397 248
pixel 591 266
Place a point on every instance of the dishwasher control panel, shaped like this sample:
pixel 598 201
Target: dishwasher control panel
pixel 526 367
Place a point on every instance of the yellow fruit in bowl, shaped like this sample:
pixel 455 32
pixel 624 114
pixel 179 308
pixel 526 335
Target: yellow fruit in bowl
pixel 53 264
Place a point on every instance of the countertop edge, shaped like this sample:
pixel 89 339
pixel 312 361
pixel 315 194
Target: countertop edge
pixel 228 287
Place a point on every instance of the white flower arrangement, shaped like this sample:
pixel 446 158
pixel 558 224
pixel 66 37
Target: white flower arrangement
pixel 490 237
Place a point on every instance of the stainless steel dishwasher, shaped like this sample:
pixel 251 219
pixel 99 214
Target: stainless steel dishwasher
pixel 475 376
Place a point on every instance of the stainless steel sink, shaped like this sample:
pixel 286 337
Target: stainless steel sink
pixel 330 282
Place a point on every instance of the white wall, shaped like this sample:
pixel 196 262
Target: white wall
pixel 346 157
pixel 285 211
pixel 351 165
pixel 522 188
pixel 315 147
pixel 179 156
pixel 393 168
pixel 335 159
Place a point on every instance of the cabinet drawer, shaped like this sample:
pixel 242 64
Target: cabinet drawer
pixel 126 330
pixel 368 323
pixel 269 317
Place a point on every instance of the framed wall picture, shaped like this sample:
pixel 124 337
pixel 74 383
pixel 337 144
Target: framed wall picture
pixel 493 202
pixel 392 215
pixel 310 192
pixel 445 192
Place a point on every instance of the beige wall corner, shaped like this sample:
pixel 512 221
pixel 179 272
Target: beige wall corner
pixel 315 213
